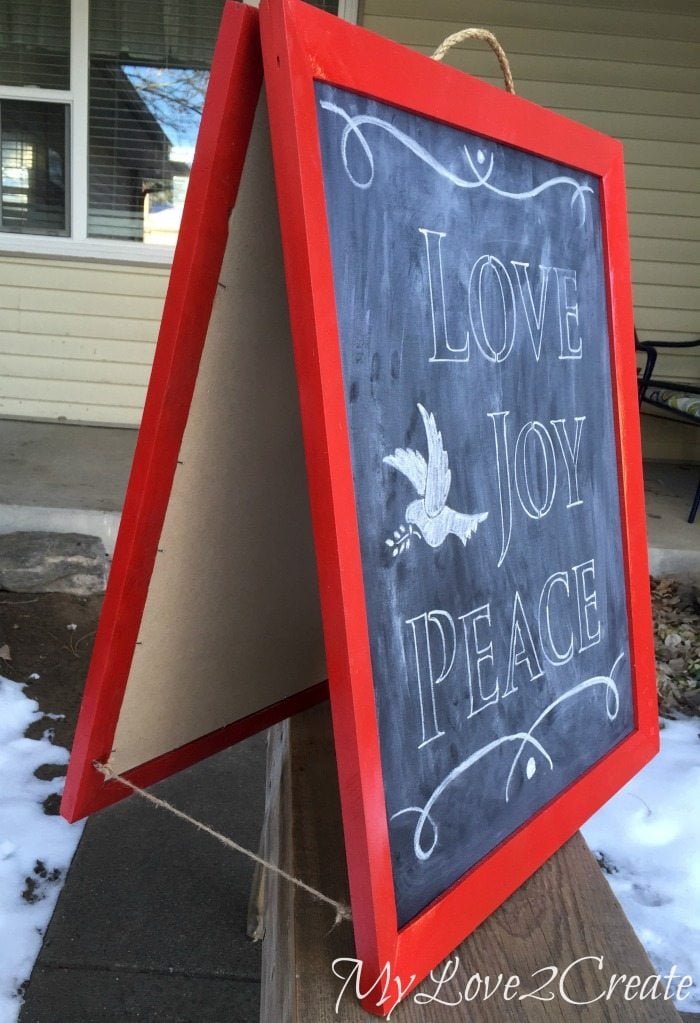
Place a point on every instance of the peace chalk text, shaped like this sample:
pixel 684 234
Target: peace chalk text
pixel 482 668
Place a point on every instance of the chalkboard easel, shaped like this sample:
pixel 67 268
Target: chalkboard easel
pixel 457 287
pixel 457 269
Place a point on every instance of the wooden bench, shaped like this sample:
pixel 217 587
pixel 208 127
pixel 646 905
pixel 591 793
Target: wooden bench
pixel 565 911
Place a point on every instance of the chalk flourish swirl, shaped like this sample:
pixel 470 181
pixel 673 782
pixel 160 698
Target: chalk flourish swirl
pixel 481 178
pixel 612 706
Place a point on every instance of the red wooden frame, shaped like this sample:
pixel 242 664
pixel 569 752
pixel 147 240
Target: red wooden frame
pixel 227 119
pixel 302 45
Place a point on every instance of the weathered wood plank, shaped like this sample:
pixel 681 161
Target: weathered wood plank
pixel 277 984
pixel 564 912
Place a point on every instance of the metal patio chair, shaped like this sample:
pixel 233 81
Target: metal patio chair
pixel 681 400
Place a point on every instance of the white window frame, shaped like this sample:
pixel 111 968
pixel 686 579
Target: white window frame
pixel 348 10
pixel 78 245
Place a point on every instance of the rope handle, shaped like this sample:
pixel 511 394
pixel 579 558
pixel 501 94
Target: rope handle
pixel 485 36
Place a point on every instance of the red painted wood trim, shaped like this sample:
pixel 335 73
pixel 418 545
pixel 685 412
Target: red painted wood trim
pixel 301 45
pixel 227 119
pixel 169 763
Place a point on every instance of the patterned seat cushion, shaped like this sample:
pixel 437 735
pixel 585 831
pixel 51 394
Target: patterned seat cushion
pixel 681 401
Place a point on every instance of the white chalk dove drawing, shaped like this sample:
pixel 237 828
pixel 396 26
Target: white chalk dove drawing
pixel 429 516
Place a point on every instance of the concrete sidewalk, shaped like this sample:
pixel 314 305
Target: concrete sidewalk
pixel 60 478
pixel 150 925
pixel 674 543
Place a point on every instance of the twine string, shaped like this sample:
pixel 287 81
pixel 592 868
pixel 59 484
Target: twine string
pixel 342 912
pixel 485 36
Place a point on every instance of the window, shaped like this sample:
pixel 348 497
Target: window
pixel 34 59
pixel 148 76
pixel 100 102
pixel 33 145
pixel 35 43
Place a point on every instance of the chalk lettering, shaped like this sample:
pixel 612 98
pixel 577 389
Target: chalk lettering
pixel 491 277
pixel 589 626
pixel 442 349
pixel 522 648
pixel 570 339
pixel 473 664
pixel 526 466
pixel 477 655
pixel 570 453
pixel 533 318
pixel 529 471
pixel 544 621
pixel 427 679
pixel 492 307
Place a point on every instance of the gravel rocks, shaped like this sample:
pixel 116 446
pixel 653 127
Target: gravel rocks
pixel 676 611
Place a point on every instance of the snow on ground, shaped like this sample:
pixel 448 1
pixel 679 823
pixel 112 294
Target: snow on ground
pixel 35 848
pixel 648 839
pixel 647 836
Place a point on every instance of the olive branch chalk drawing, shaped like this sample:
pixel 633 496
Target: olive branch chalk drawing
pixel 612 706
pixel 429 517
pixel 481 179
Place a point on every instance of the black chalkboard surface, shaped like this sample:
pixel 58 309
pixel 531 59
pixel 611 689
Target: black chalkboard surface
pixel 470 293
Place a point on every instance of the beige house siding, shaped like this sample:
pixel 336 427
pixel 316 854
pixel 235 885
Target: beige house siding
pixel 632 71
pixel 77 338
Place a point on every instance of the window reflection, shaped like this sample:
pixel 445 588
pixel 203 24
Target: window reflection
pixel 33 157
pixel 143 127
